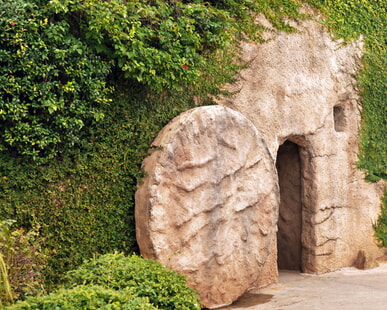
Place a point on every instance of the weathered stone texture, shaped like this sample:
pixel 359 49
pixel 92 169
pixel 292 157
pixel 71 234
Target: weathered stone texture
pixel 209 204
pixel 299 87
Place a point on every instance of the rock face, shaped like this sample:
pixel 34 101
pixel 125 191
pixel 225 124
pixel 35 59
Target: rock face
pixel 209 204
pixel 215 195
pixel 300 93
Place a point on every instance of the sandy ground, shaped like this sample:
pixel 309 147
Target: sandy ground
pixel 345 289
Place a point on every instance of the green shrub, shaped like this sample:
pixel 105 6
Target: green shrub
pixel 84 204
pixel 52 86
pixel 165 288
pixel 57 58
pixel 85 297
pixel 21 262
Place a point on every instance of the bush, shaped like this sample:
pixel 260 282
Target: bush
pixel 84 203
pixel 52 85
pixel 57 58
pixel 85 297
pixel 115 281
pixel 165 288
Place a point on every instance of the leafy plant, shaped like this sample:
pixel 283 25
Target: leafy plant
pixel 51 85
pixel 85 297
pixel 381 225
pixel 58 57
pixel 165 288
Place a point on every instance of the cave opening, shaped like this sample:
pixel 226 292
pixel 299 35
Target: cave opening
pixel 289 245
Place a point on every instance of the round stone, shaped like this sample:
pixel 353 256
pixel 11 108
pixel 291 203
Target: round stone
pixel 209 203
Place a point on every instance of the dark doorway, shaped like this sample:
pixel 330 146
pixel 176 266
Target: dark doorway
pixel 290 211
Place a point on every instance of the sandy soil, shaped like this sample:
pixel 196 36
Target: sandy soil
pixel 345 289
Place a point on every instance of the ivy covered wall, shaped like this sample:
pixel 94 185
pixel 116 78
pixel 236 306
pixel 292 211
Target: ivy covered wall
pixel 86 85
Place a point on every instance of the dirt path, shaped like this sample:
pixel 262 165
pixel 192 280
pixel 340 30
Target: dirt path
pixel 346 289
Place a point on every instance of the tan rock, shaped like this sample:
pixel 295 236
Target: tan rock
pixel 365 261
pixel 208 206
pixel 299 91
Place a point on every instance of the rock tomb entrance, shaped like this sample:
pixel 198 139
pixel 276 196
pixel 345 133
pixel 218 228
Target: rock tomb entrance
pixel 218 207
pixel 300 99
pixel 289 245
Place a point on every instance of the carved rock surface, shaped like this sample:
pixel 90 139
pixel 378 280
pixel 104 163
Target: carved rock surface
pixel 209 204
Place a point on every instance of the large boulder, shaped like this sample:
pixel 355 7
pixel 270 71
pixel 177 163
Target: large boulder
pixel 209 203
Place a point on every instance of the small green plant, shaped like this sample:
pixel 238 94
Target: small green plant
pixel 381 225
pixel 165 288
pixel 51 85
pixel 116 281
pixel 21 261
pixel 85 297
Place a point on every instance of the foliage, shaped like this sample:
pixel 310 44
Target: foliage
pixel 85 297
pixel 381 225
pixel 85 202
pixel 165 288
pixel 51 84
pixel 56 56
pixel 21 260
pixel 160 57
pixel 115 281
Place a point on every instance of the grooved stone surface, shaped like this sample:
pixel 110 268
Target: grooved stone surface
pixel 209 204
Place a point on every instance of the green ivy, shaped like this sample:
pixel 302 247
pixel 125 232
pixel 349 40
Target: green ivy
pixel 84 203
pixel 381 225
